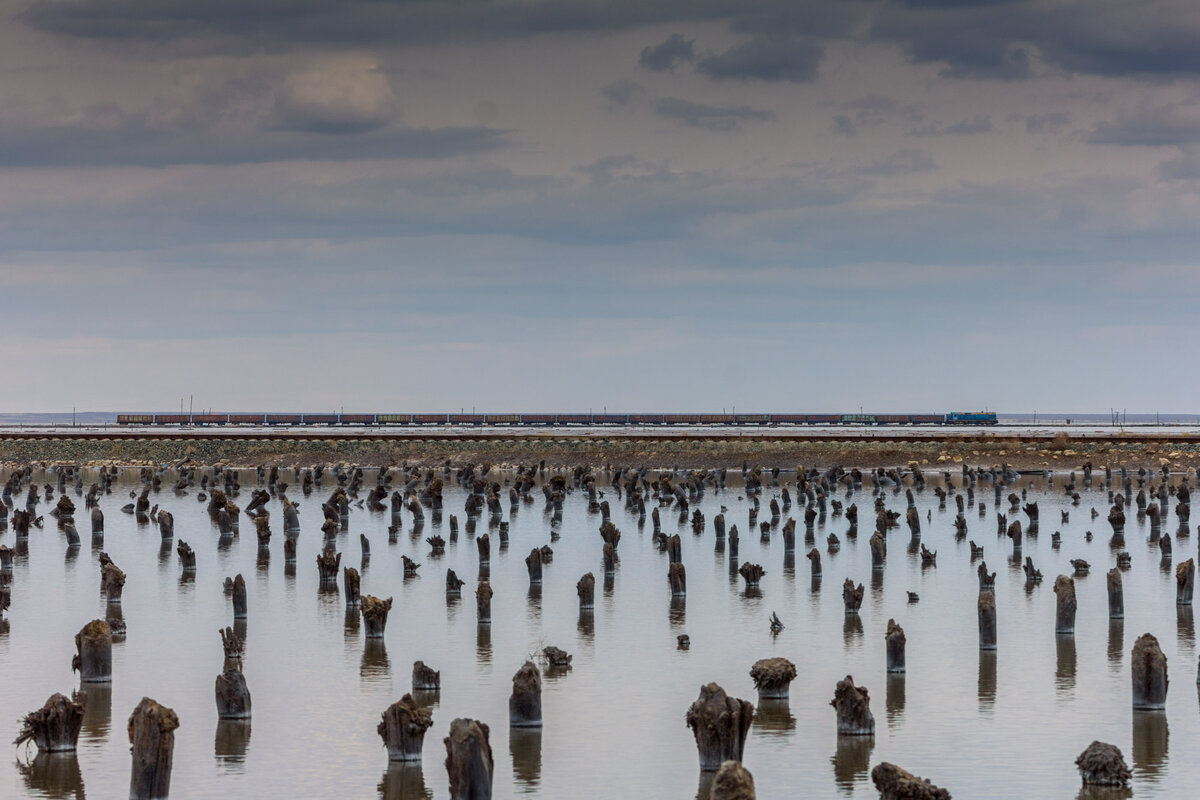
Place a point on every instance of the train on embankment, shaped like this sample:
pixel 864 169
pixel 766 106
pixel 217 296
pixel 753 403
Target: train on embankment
pixel 558 420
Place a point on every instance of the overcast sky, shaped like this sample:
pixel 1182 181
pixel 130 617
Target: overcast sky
pixel 396 205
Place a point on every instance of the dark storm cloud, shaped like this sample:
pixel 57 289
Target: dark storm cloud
pixel 980 123
pixel 1153 127
pixel 766 58
pixel 713 118
pixel 663 56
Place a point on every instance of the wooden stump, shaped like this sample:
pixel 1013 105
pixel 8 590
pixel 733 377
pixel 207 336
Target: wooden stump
pixel 152 736
pixel 351 581
pixel 454 584
pixel 533 563
pixel 752 573
pixel 239 597
pixel 772 678
pixel 1064 620
pixel 402 727
pixel 720 725
pixel 1185 582
pixel 852 704
pixel 586 589
pixel 54 727
pixel 375 613
pixel 1116 595
pixel 425 679
pixel 525 702
pixel 852 596
pixel 987 621
pixel 93 653
pixel 233 695
pixel 112 581
pixel 1102 764
pixel 732 782
pixel 187 557
pixel 1148 666
pixel 895 642
pixel 814 557
pixel 677 577
pixel 328 563
pixel 469 760
pixel 895 783
pixel 483 602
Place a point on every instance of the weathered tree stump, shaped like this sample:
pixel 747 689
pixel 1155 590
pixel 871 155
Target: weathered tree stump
pixel 97 521
pixel 187 557
pixel 895 641
pixel 814 557
pixel 677 577
pixel 152 734
pixel 525 702
pixel 852 596
pixel 1148 666
pixel 720 725
pixel 732 782
pixel 894 783
pixel 1116 595
pixel 240 601
pixel 351 581
pixel 233 695
pixel 987 621
pixel 586 589
pixel 112 581
pixel 878 550
pixel 54 727
pixel 469 760
pixel 483 602
pixel 1064 589
pixel 328 564
pixel 425 679
pixel 533 563
pixel 289 550
pixel 402 727
pixel 375 613
pixel 454 584
pixel 484 545
pixel 752 573
pixel 772 678
pixel 1185 582
pixel 93 653
pixel 610 558
pixel 853 707
pixel 1102 764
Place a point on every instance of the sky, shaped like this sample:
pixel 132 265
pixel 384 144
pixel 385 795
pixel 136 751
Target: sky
pixel 541 205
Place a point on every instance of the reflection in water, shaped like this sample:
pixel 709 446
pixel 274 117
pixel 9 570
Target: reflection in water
pixel 263 561
pixel 231 743
pixel 241 630
pixel 376 667
pixel 678 612
pixel 987 680
pixel 289 569
pixel 4 627
pixel 1116 643
pixel 165 549
pixel 53 775
pixel 404 781
pixel 587 625
pixel 1186 626
pixel 877 589
pixel 852 630
pixel 525 746
pixel 97 710
pixel 1104 793
pixel 894 698
pixel 774 717
pixel 1064 671
pixel 851 761
pixel 789 564
pixel 1149 744
pixel 483 643
pixel 350 626
pixel 534 602
pixel 72 554
pixel 610 581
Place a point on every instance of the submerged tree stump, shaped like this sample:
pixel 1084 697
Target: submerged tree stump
pixel 1185 582
pixel 239 597
pixel 483 602
pixel 732 782
pixel 1064 589
pixel 677 577
pixel 328 563
pixel 375 613
pixel 852 596
pixel 814 557
pixel 772 678
pixel 232 693
pixel 1102 764
pixel 894 783
pixel 187 557
pixel 112 581
pixel 533 563
pixel 720 724
pixel 1148 666
pixel 152 734
pixel 1116 595
pixel 525 702
pixel 351 581
pixel 987 621
pixel 425 679
pixel 853 706
pixel 454 584
pixel 586 589
pixel 93 653
pixel 402 727
pixel 895 642
pixel 54 727
pixel 469 760
pixel 752 573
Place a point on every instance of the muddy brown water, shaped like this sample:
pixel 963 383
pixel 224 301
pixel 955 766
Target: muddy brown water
pixel 984 725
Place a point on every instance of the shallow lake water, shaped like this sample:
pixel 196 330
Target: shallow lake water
pixel 984 725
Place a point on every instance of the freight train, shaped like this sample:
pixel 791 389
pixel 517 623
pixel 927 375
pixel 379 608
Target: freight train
pixel 526 420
